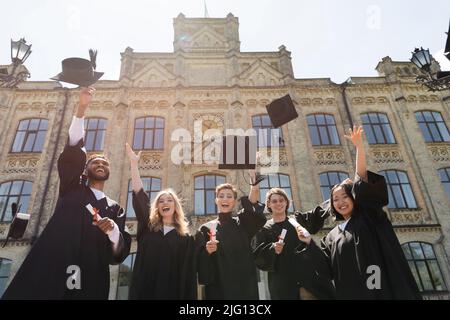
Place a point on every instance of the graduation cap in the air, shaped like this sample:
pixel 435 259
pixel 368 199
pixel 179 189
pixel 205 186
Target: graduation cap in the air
pixel 281 111
pixel 238 152
pixel 79 71
pixel 18 225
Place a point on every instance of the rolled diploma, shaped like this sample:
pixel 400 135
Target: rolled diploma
pixel 296 225
pixel 282 236
pixel 93 211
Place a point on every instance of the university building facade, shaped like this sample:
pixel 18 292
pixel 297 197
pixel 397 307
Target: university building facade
pixel 207 78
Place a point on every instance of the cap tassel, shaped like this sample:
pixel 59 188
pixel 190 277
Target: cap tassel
pixel 93 57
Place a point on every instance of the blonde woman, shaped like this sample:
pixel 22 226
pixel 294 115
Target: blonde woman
pixel 164 267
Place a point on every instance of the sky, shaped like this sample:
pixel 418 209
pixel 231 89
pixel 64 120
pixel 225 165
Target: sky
pixel 327 39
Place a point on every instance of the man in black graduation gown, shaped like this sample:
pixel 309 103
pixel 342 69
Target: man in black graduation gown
pixel 228 271
pixel 70 259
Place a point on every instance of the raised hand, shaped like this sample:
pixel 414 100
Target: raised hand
pixel 85 99
pixel 303 235
pixel 355 135
pixel 278 247
pixel 134 158
pixel 105 224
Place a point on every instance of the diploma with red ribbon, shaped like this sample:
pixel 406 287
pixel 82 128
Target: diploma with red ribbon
pixel 282 236
pixel 94 212
pixel 212 231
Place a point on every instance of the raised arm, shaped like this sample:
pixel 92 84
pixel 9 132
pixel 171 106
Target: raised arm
pixel 136 180
pixel 253 196
pixel 72 160
pixel 356 137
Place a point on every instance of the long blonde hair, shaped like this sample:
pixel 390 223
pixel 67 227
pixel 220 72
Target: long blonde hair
pixel 155 222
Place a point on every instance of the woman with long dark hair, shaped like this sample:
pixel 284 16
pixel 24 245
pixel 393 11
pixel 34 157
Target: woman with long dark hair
pixel 362 254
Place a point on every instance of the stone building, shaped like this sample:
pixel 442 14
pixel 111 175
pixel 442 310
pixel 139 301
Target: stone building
pixel 208 78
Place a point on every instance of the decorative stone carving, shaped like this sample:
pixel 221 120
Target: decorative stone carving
pixel 151 160
pixel 4 227
pixel 439 151
pixel 22 162
pixel 329 155
pixel 406 217
pixel 386 154
pixel 267 159
pixel 131 225
pixel 218 118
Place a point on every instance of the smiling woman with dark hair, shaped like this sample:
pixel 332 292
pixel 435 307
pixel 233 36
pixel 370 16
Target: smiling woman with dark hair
pixel 362 255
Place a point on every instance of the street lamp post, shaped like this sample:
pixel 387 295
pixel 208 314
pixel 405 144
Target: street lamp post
pixel 11 75
pixel 438 81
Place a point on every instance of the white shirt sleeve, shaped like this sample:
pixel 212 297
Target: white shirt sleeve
pixel 114 237
pixel 76 130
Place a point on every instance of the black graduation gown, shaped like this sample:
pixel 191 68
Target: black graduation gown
pixel 367 240
pixel 70 239
pixel 164 266
pixel 230 272
pixel 288 271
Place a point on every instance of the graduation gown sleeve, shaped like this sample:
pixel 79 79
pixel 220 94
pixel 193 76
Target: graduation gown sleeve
pixel 205 261
pixel 124 245
pixel 372 194
pixel 312 220
pixel 141 208
pixel 321 257
pixel 251 216
pixel 188 285
pixel 71 165
pixel 264 253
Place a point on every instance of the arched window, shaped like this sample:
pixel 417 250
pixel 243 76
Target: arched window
pixel 265 131
pixel 276 180
pixel 125 273
pixel 148 133
pixel 152 186
pixel 328 180
pixel 204 193
pixel 400 191
pixel 94 137
pixel 30 135
pixel 322 129
pixel 17 191
pixel 424 266
pixel 377 128
pixel 433 126
pixel 444 174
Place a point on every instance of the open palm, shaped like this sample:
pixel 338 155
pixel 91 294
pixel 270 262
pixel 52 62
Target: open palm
pixel 131 155
pixel 355 135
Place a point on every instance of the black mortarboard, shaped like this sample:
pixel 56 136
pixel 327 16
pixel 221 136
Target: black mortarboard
pixel 79 71
pixel 281 111
pixel 18 225
pixel 238 152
